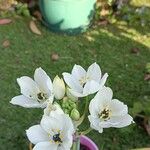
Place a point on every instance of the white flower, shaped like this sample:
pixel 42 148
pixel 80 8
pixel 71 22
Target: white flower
pixel 106 112
pixel 52 109
pixel 53 133
pixel 83 83
pixel 35 93
pixel 69 95
pixel 59 87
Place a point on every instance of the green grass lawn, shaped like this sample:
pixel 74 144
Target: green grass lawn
pixel 109 46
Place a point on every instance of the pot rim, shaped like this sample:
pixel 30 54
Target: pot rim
pixel 87 141
pixel 70 1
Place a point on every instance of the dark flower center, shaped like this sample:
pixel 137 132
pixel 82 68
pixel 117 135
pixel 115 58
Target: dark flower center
pixel 104 114
pixel 56 138
pixel 41 96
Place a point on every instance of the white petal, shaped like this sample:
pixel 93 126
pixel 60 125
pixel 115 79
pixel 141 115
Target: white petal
pixel 57 110
pixel 36 134
pixel 94 108
pixel 66 123
pixel 101 100
pixel 43 80
pixel 72 82
pixel 118 108
pixel 45 146
pixel 26 102
pixel 106 124
pixel 48 123
pixel 76 94
pixel 51 110
pixel 103 80
pixel 78 72
pixel 104 96
pixel 94 123
pixel 94 72
pixel 70 95
pixel 67 142
pixel 62 148
pixel 91 87
pixel 58 87
pixel 121 121
pixel 28 87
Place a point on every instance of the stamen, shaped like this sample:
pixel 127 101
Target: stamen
pixel 42 96
pixel 56 136
pixel 105 114
pixel 83 80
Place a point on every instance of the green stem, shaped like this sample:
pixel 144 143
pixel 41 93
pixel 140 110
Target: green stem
pixel 86 131
pixel 76 144
pixel 84 113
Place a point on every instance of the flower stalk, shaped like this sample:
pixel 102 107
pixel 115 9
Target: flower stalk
pixel 79 122
pixel 76 143
pixel 86 131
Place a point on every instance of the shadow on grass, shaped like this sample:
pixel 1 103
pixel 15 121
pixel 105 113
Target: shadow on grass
pixel 137 18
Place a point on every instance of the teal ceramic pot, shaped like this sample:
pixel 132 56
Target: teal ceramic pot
pixel 70 16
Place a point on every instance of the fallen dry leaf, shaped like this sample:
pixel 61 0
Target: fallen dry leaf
pixel 135 50
pixel 54 56
pixel 147 126
pixel 37 15
pixel 143 121
pixel 5 21
pixel 147 77
pixel 6 43
pixel 103 22
pixel 34 28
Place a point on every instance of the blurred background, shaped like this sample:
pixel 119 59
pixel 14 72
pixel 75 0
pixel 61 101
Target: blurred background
pixel 118 40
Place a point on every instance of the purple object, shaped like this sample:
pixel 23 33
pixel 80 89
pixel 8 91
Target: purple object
pixel 87 143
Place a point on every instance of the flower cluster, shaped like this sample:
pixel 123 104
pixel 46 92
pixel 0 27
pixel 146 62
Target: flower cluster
pixel 61 116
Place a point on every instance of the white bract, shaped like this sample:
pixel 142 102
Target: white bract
pixel 59 87
pixel 106 112
pixel 82 83
pixel 35 93
pixel 53 133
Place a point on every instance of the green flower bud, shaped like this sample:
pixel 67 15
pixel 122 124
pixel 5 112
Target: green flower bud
pixel 65 99
pixel 74 105
pixel 70 102
pixel 66 111
pixel 63 105
pixel 75 115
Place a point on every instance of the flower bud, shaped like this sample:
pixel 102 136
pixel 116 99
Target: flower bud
pixel 75 115
pixel 72 104
pixel 66 111
pixel 59 87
